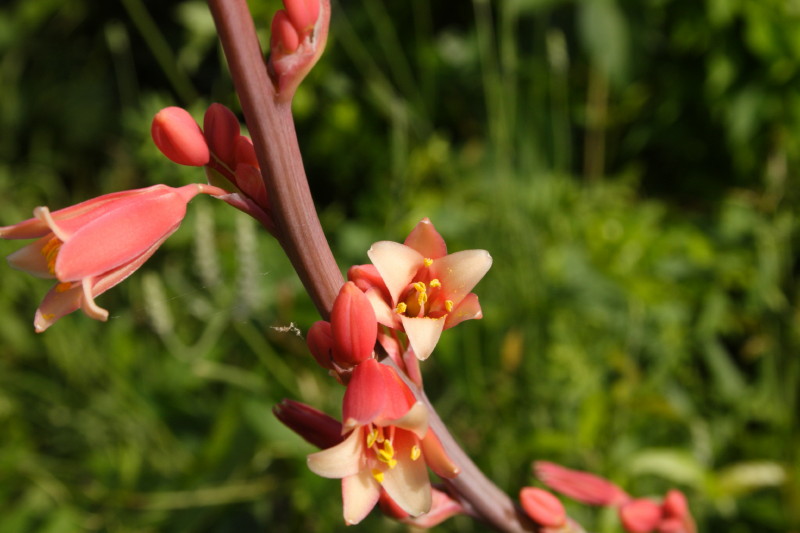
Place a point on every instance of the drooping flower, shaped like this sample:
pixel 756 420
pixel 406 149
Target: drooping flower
pixel 383 449
pixel 419 288
pixel 581 486
pixel 94 245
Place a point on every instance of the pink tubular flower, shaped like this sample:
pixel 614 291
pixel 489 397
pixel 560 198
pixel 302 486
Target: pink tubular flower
pixel 420 289
pixel 581 486
pixel 383 449
pixel 94 245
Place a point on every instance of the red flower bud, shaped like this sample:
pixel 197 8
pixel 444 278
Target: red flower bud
pixel 179 138
pixel 320 343
pixel 314 426
pixel 543 508
pixel 284 36
pixel 221 130
pixel 640 515
pixel 354 326
pixel 675 504
pixel 302 13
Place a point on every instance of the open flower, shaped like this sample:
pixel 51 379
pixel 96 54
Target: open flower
pixel 419 288
pixel 94 245
pixel 383 449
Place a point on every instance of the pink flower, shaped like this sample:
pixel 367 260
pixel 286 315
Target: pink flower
pixel 92 246
pixel 420 289
pixel 179 138
pixel 383 449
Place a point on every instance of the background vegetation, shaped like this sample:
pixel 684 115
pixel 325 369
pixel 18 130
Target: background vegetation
pixel 631 166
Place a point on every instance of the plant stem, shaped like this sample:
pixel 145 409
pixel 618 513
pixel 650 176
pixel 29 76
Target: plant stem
pixel 275 141
pixel 299 231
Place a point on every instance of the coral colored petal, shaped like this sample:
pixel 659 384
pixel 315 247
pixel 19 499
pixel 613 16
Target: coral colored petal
pixel 426 240
pixel 384 314
pixel 436 457
pixel 30 259
pixel 442 508
pixel 399 397
pixel 408 483
pixel 89 307
pixel 56 304
pixel 423 334
pixel 468 309
pixel 342 460
pixel 221 131
pixel 360 493
pixel 543 507
pixel 461 271
pixel 397 265
pixel 119 236
pixel 365 397
pixel 415 420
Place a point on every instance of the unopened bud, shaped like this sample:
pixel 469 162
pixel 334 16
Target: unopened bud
pixel 179 138
pixel 542 507
pixel 354 326
pixel 675 504
pixel 314 426
pixel 320 343
pixel 303 14
pixel 284 38
pixel 221 130
pixel 640 516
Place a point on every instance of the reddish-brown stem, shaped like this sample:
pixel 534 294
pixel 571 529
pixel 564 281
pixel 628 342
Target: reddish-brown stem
pixel 275 141
pixel 299 231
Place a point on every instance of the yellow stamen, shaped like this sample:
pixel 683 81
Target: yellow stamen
pixel 435 283
pixel 372 437
pixel 448 304
pixel 427 261
pixel 50 253
pixel 63 287
pixel 422 298
pixel 420 286
pixel 415 452
pixel 378 475
pixel 401 307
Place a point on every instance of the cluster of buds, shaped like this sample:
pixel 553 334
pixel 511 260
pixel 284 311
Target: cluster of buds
pixel 637 515
pixel 400 304
pixel 228 157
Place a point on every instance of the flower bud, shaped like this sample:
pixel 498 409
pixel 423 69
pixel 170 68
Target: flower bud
pixel 353 325
pixel 640 515
pixel 675 504
pixel 221 130
pixel 179 138
pixel 284 37
pixel 314 426
pixel 320 343
pixel 543 507
pixel 303 14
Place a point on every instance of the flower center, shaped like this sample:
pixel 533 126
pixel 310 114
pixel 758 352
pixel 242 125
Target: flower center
pixel 424 298
pixel 380 442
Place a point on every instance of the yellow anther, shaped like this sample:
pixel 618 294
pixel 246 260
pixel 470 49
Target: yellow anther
pixel 372 437
pixel 50 253
pixel 420 287
pixel 448 304
pixel 427 261
pixel 63 287
pixel 378 475
pixel 415 452
pixel 422 298
pixel 387 446
pixel 435 283
pixel 401 307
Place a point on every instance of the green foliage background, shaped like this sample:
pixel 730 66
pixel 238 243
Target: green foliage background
pixel 632 166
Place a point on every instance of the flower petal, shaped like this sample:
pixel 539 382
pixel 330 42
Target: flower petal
pixel 423 333
pixel 366 396
pixel 342 460
pixel 57 303
pixel 408 483
pixel 360 493
pixel 415 420
pixel 436 457
pixel 468 309
pixel 397 265
pixel 30 258
pixel 426 240
pixel 461 271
